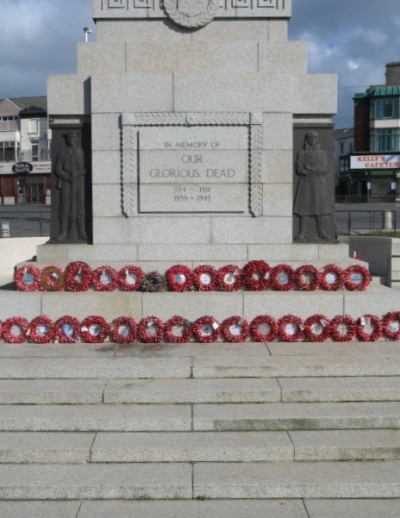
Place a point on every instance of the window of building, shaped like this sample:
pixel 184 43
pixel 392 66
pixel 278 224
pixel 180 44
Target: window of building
pixel 35 150
pixel 385 108
pixel 34 126
pixel 385 140
pixel 9 151
pixel 341 145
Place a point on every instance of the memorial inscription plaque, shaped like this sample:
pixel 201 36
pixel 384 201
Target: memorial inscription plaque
pixel 192 163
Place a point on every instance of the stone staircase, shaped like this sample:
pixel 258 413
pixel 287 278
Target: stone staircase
pixel 278 430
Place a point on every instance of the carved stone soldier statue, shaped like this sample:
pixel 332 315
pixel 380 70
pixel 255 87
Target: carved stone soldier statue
pixel 313 198
pixel 70 173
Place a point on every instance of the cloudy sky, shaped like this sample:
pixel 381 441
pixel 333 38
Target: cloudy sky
pixel 351 38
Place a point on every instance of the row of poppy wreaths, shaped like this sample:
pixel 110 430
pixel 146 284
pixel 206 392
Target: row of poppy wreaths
pixel 207 329
pixel 254 276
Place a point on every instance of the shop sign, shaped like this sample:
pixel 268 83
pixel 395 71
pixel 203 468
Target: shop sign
pixel 22 168
pixel 375 162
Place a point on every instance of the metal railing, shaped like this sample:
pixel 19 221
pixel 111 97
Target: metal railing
pixel 32 223
pixel 366 220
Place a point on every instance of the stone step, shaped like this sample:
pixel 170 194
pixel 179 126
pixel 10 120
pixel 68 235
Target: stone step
pixel 86 418
pixel 140 447
pixel 294 508
pixel 271 480
pixel 225 390
pixel 275 366
pixel 376 479
pixel 296 416
pixel 206 417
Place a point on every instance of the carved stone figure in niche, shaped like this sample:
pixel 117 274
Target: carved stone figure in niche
pixel 313 199
pixel 70 172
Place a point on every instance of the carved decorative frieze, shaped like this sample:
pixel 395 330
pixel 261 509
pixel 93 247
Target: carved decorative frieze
pixel 191 14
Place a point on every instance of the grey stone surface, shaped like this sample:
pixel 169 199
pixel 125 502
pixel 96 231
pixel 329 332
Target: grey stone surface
pixel 109 305
pixel 92 368
pixel 379 303
pixel 241 56
pixel 192 391
pixel 86 418
pixel 141 92
pixel 346 445
pixel 106 167
pixel 39 509
pixel 143 350
pixel 284 253
pixel 340 389
pixel 297 480
pixel 14 301
pixel 252 231
pixel 295 366
pixel 208 253
pixel 277 201
pixel 129 481
pixel 277 134
pixel 45 448
pixel 277 304
pixel 106 133
pixel 68 94
pixel 290 57
pixel 47 392
pixel 101 58
pixel 199 304
pixel 352 508
pixel 380 349
pixel 296 416
pixel 251 92
pixel 62 253
pixel 192 447
pixel 192 230
pixel 55 350
pixel 106 200
pixel 315 94
pixel 194 509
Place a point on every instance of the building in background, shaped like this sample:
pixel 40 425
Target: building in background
pixel 372 171
pixel 25 151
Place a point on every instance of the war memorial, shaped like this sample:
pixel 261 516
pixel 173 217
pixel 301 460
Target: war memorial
pixel 194 339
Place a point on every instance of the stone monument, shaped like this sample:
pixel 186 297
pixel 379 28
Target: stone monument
pixel 191 115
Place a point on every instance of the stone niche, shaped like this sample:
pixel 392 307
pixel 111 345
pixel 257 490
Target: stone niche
pixel 193 107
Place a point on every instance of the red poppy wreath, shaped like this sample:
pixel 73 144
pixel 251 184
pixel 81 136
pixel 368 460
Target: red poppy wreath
pixel 94 329
pixel 230 278
pixel 105 278
pixel 307 278
pixel 67 329
pixel 206 330
pixel 205 277
pixel 177 330
pixel 15 329
pixel 316 328
pixel 235 329
pixel 151 330
pixel 179 278
pixel 257 275
pixel 283 278
pixel 369 328
pixel 343 328
pixel 264 329
pixel 27 278
pixel 290 329
pixel 52 278
pixel 130 278
pixel 123 330
pixel 78 276
pixel 41 330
